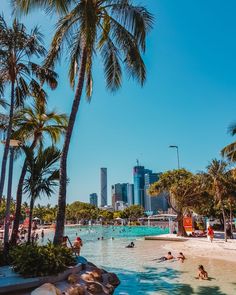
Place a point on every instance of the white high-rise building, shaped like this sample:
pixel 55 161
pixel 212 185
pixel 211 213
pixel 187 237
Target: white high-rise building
pixel 103 178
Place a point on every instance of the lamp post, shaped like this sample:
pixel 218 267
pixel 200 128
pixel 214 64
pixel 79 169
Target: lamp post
pixel 177 150
pixel 13 144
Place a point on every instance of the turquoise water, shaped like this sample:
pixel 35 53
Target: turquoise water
pixel 139 272
pixel 91 234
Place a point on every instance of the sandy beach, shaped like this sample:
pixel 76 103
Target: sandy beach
pixel 192 247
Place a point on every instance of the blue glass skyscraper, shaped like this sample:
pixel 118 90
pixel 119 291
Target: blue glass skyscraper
pixel 139 182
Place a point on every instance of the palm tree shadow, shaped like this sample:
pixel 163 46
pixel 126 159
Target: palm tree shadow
pixel 151 279
pixel 211 290
pixel 163 281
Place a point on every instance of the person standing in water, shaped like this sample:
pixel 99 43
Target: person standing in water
pixel 78 243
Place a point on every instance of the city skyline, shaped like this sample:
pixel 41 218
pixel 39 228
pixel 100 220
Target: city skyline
pixel 185 101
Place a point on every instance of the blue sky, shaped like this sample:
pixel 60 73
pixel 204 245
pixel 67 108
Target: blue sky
pixel 189 98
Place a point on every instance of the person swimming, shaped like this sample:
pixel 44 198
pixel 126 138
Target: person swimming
pixel 202 274
pixel 131 245
pixel 181 257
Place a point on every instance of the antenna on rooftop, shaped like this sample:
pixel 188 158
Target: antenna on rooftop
pixel 137 162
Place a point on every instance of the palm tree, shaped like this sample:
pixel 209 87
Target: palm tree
pixel 230 150
pixel 42 176
pixel 17 47
pixel 34 123
pixel 220 183
pixel 115 29
pixel 59 6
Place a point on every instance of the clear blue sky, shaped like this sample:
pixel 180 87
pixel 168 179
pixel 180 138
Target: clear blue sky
pixel 189 98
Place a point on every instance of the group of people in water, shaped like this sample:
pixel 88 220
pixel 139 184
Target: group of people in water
pixel 202 273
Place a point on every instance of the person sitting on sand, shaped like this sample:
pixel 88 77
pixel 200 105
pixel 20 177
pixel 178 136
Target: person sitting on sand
pixel 181 257
pixel 169 256
pixel 78 243
pixel 202 274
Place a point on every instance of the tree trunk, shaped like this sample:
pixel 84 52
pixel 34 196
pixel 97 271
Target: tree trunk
pixel 30 219
pixel 231 221
pixel 7 143
pixel 19 197
pixel 224 217
pixel 63 162
pixel 8 204
pixel 181 229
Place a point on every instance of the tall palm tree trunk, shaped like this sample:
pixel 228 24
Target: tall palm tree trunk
pixel 30 218
pixel 224 218
pixel 231 220
pixel 63 162
pixel 19 197
pixel 7 143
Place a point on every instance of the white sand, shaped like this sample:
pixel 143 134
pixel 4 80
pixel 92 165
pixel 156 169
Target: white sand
pixel 218 249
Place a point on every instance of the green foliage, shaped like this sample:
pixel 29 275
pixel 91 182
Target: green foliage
pixel 3 208
pixel 79 210
pixel 133 212
pixel 33 260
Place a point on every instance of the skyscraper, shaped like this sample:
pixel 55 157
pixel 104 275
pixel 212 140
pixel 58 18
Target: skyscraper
pixel 138 173
pixel 103 178
pixel 119 192
pixel 93 199
pixel 130 193
pixel 154 203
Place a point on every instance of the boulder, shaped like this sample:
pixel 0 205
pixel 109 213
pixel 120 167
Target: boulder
pixel 46 289
pixel 73 278
pixel 88 277
pixel 97 274
pixel 77 290
pixel 110 289
pixel 113 279
pixel 95 288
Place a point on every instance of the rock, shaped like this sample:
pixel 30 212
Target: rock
pixel 113 279
pixel 88 277
pixel 77 290
pixel 73 278
pixel 46 289
pixel 95 288
pixel 110 288
pixel 97 274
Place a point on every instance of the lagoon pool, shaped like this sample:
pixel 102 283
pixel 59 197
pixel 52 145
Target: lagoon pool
pixel 140 274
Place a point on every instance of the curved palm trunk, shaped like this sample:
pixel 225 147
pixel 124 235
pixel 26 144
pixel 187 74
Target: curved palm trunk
pixel 63 162
pixel 30 218
pixel 19 197
pixel 7 143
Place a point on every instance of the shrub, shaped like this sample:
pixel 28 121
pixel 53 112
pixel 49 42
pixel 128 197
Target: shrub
pixel 34 260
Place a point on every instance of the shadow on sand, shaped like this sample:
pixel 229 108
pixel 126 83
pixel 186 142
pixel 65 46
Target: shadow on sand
pixel 160 281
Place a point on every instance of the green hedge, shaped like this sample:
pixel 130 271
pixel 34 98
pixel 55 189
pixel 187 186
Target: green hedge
pixel 34 260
